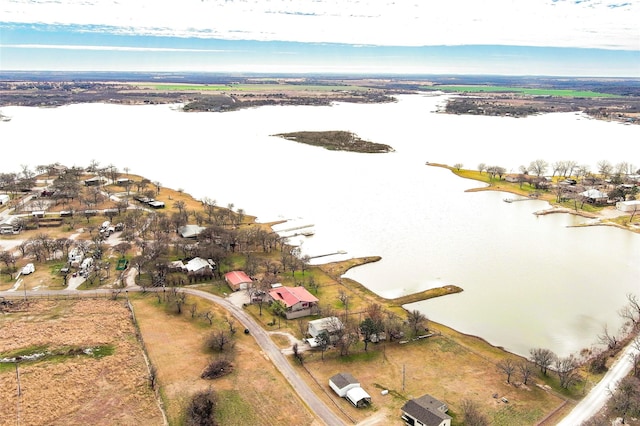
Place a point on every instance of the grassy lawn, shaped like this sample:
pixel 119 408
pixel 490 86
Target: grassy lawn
pixel 521 90
pixel 450 367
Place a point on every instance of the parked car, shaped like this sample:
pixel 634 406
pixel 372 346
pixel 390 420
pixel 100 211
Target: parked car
pixel 28 269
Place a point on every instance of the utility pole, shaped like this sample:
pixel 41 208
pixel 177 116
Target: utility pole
pixel 403 375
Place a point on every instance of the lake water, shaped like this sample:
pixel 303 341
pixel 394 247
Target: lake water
pixel 529 281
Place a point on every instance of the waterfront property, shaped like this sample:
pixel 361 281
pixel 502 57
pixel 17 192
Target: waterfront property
pixel 297 300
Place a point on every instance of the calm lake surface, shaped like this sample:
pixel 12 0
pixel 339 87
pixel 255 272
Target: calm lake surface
pixel 529 281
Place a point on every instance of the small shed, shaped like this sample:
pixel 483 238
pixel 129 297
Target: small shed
pixel 346 386
pixel 628 206
pixel 342 382
pixel 156 204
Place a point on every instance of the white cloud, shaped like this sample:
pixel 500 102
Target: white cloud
pixel 606 24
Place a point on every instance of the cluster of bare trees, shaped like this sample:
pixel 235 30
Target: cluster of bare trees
pixel 567 367
pixel 493 171
pixel 376 324
pixel 568 168
pixel 22 181
pixel 201 409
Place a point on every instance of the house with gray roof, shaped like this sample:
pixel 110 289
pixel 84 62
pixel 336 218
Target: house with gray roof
pixel 425 411
pixel 595 196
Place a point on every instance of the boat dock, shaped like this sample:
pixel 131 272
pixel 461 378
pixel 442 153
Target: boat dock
pixel 328 254
pixel 513 200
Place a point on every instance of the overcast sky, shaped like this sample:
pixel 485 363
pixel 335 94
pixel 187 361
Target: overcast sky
pixel 559 37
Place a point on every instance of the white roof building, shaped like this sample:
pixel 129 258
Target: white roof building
pixel 328 324
pixel 197 264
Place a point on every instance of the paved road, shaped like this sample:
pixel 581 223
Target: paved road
pixel 273 352
pixel 590 405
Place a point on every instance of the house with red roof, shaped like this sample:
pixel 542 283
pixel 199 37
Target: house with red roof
pixel 238 280
pixel 297 300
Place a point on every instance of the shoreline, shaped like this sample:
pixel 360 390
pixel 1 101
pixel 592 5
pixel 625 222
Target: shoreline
pixel 601 216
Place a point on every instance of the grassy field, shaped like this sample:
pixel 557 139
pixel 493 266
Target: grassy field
pixel 521 90
pixel 94 372
pixel 254 393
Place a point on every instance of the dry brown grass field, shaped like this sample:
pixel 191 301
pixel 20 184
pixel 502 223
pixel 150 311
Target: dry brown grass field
pixel 254 393
pixel 73 388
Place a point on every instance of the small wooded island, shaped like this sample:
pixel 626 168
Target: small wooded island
pixel 336 140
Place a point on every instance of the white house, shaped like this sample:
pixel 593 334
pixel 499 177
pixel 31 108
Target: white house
pixel 198 264
pixel 10 225
pixel 75 256
pixel 4 199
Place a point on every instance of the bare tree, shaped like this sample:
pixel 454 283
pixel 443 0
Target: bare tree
pixel 417 321
pixel 122 248
pixel 634 304
pixel 218 340
pixel 525 370
pixel 9 260
pixel 566 368
pixel 508 367
pixel 608 339
pixel 201 409
pixel 538 167
pixel 625 399
pixel 231 324
pixel 472 414
pixel 208 316
pixel 635 357
pixel 543 358
pixel 605 168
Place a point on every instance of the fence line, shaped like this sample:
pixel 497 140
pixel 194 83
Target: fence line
pixel 150 367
